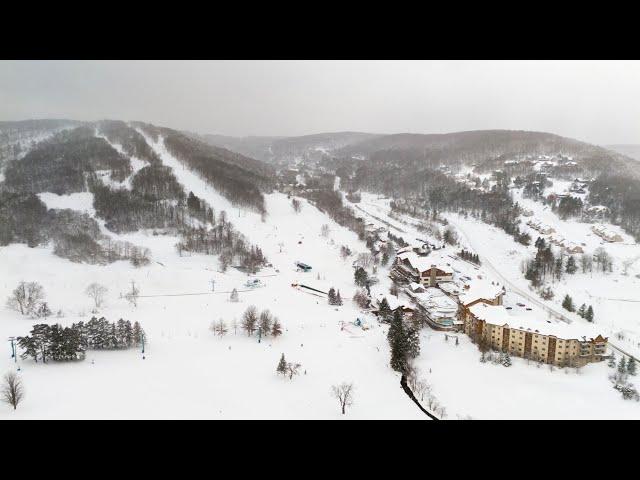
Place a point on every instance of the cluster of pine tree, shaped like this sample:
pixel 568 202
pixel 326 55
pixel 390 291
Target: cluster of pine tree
pixel 334 297
pixel 469 256
pixel 584 311
pixel 57 343
pixel 404 341
pixel 567 207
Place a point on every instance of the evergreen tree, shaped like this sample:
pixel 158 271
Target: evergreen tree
pixel 360 277
pixel 582 311
pixel 398 343
pixel 589 314
pixel 558 268
pixel 631 366
pixel 338 298
pixel 622 366
pixel 234 295
pixel 282 366
pixel 137 334
pixel 506 359
pixel 331 296
pixel 567 303
pixel 384 311
pixel 413 341
pixel 572 266
pixel 612 361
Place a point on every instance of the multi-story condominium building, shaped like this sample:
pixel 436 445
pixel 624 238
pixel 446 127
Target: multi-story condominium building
pixel 539 341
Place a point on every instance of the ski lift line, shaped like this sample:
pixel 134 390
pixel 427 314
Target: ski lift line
pixel 191 294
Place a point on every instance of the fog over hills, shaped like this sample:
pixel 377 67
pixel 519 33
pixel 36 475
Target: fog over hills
pixel 632 151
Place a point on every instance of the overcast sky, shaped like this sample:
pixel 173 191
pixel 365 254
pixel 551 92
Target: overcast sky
pixel 598 102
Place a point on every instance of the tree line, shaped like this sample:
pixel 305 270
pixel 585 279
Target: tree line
pixel 58 343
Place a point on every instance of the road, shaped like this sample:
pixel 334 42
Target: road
pixel 560 316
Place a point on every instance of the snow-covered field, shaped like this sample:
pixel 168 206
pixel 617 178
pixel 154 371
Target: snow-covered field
pixel 188 372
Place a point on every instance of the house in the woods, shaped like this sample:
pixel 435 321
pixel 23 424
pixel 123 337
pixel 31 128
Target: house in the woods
pixel 540 341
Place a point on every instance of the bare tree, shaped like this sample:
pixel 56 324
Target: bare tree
pixel 12 390
pixel 293 369
pixel 324 230
pixel 344 394
pixel 361 298
pixel 26 297
pixel 220 328
pixel 364 260
pixel 133 294
pixel 96 292
pixel 297 206
pixel 250 319
pixel 265 322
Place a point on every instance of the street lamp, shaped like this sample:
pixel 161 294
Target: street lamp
pixel 142 335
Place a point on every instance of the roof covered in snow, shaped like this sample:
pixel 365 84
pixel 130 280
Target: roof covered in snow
pixel 499 315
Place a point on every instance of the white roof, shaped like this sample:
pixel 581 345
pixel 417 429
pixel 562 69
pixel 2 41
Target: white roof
pixel 423 263
pixel 499 315
pixel 436 303
pixel 480 289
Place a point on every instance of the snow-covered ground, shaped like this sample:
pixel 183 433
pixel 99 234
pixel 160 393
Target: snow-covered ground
pixel 467 387
pixel 188 372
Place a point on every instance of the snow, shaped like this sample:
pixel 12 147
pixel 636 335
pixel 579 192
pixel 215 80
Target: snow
pixel 467 387
pixel 81 201
pixel 188 372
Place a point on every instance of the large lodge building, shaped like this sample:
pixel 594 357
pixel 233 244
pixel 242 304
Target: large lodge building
pixel 538 341
pixel 476 308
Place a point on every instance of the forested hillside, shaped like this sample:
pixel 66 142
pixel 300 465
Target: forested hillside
pixel 241 179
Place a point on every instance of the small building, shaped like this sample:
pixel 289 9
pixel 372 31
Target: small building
pixel 440 310
pixel 606 233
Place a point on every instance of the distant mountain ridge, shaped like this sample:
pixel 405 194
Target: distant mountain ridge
pixel 630 150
